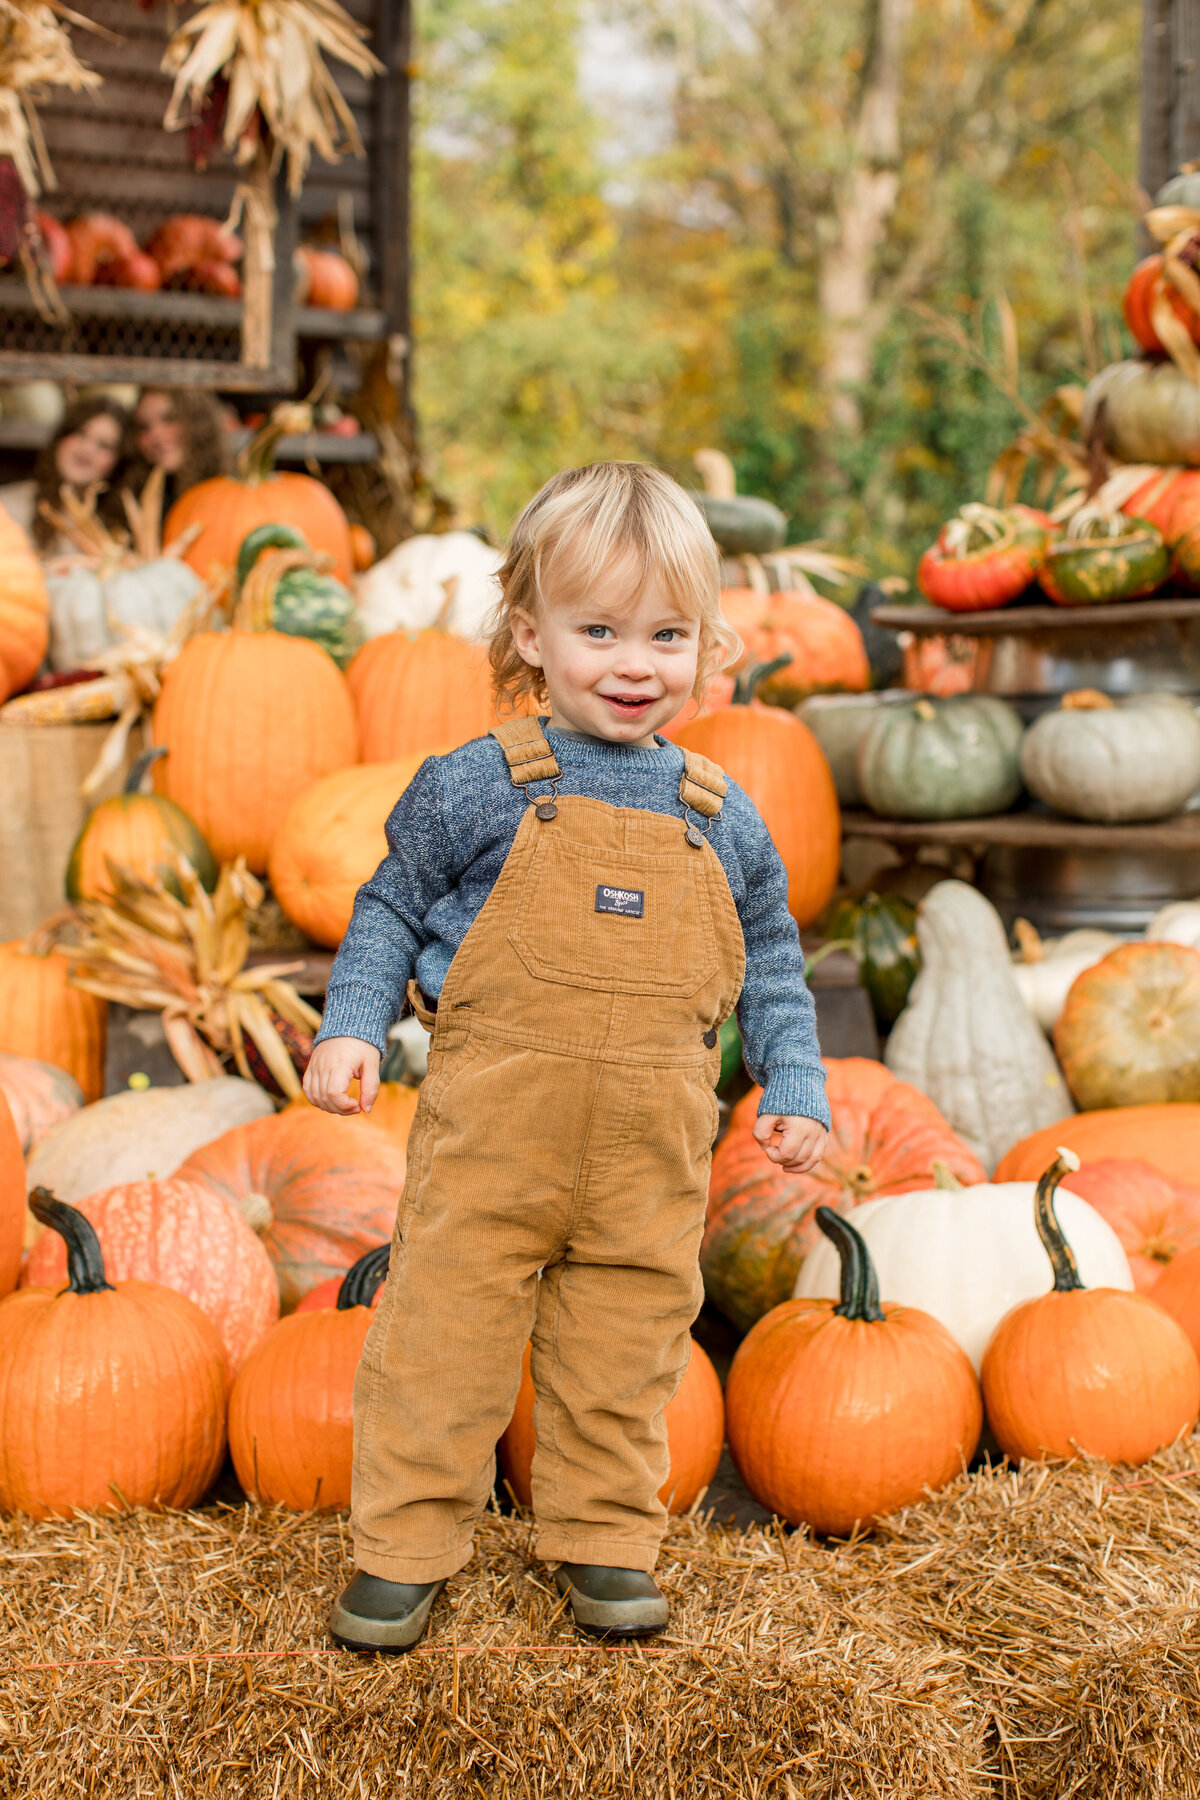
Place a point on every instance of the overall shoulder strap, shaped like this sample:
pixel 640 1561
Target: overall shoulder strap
pixel 526 751
pixel 703 787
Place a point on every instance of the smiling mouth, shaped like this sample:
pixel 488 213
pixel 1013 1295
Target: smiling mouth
pixel 630 705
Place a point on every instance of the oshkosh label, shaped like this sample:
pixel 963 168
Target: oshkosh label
pixel 630 902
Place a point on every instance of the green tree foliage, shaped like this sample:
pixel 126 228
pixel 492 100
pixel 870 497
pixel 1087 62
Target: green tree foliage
pixel 557 323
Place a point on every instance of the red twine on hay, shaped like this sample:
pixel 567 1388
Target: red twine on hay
pixel 195 1656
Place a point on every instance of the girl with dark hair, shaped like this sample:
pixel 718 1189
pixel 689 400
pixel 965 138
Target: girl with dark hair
pixel 180 431
pixel 84 452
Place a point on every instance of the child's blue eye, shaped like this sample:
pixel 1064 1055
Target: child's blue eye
pixel 597 631
pixel 667 635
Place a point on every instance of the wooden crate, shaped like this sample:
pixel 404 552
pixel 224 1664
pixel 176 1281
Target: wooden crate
pixel 41 768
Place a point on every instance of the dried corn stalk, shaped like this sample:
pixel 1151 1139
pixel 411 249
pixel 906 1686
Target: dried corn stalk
pixel 264 61
pixel 35 53
pixel 185 958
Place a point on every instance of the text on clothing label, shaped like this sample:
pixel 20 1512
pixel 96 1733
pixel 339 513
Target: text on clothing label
pixel 629 902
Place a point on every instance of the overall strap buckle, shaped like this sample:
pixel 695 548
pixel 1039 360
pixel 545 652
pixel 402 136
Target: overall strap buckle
pixel 702 790
pixel 529 758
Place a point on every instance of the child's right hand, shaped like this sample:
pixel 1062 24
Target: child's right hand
pixel 333 1066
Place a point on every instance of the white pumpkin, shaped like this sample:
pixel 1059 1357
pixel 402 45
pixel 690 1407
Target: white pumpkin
pixel 969 1256
pixel 407 590
pixel 966 1037
pixel 1178 923
pixel 1114 761
pixel 141 1136
pixel 1045 968
pixel 85 605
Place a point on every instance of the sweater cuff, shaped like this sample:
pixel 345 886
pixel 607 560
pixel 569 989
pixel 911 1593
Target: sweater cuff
pixel 357 1011
pixel 799 1091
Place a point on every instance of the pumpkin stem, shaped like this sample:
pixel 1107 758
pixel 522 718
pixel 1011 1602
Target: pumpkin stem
pixel 449 595
pixel 360 1283
pixel 1062 1257
pixel 1087 700
pixel 136 775
pixel 1029 941
pixel 860 1284
pixel 924 710
pixel 945 1180
pixel 752 678
pixel 85 1260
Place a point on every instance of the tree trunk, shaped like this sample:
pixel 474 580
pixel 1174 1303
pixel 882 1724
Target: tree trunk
pixel 863 207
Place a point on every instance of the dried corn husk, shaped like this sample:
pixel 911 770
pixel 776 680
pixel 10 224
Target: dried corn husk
pixel 35 52
pixel 271 54
pixel 186 959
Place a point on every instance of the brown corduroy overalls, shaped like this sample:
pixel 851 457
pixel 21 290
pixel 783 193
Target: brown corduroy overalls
pixel 565 1126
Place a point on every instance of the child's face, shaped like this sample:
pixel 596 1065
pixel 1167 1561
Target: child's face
pixel 613 670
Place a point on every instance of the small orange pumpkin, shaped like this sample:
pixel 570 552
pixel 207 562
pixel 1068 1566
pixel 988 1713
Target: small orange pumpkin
pixel 1091 1371
pixel 840 1412
pixel 24 609
pixel 42 1015
pixel 139 831
pixel 331 840
pixel 325 278
pixel 114 1396
pixel 816 645
pixel 362 545
pixel 695 1421
pixel 291 1412
pixel 415 694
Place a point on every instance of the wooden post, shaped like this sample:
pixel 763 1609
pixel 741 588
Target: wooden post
pixel 394 48
pixel 1170 89
pixel 259 219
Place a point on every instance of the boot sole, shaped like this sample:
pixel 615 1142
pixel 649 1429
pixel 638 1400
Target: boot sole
pixel 353 1632
pixel 617 1618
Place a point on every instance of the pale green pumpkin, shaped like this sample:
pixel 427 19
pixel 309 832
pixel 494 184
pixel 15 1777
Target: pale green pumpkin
pixel 942 759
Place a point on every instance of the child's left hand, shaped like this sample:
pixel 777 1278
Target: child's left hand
pixel 796 1144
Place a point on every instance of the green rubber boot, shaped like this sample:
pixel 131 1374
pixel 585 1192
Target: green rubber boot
pixel 621 1603
pixel 373 1614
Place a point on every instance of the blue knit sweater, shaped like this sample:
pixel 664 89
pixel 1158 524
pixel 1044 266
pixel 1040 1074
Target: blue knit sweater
pixel 448 837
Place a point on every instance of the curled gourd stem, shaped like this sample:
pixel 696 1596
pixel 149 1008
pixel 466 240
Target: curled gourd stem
pixel 977 528
pixel 945 1180
pixel 860 1285
pixel 1062 1257
pixel 752 678
pixel 360 1283
pixel 136 776
pixel 85 1260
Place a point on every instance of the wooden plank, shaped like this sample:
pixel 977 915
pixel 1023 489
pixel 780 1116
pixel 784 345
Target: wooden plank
pixel 1029 830
pixel 157 371
pixel 366 324
pixel 129 303
pixel 1009 621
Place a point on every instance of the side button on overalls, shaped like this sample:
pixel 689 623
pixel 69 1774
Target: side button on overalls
pixel 565 1126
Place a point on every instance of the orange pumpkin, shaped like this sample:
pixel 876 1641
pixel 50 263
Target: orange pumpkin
pixel 1156 1219
pixel 325 278
pixel 840 1412
pixel 12 1199
pixel 114 1396
pixel 393 1112
pixel 318 1193
pixel 887 1138
pixel 820 643
pixel 362 544
pixel 331 840
pixel 430 691
pixel 249 720
pixel 1177 1291
pixel 39 1096
pixel 1129 1034
pixel 1167 1137
pixel 780 764
pixel 695 1421
pixel 181 1234
pixel 291 1412
pixel 140 832
pixel 230 507
pixel 24 609
pixel 42 1015
pixel 1092 1371
pixel 326 1293
pixel 1145 285
pixel 97 239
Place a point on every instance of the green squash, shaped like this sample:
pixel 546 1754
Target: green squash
pixel 942 759
pixel 305 602
pixel 742 525
pixel 1102 558
pixel 730 1039
pixel 879 930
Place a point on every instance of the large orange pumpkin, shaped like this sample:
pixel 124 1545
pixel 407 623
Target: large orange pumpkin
pixel 1167 1137
pixel 110 1396
pixel 887 1138
pixel 291 1412
pixel 182 1234
pixel 42 1015
pixel 249 720
pixel 841 1411
pixel 24 609
pixel 229 507
pixel 393 1112
pixel 1129 1034
pixel 331 841
pixel 417 694
pixel 12 1199
pixel 1156 1218
pixel 779 763
pixel 695 1421
pixel 1092 1371
pixel 821 643
pixel 318 1193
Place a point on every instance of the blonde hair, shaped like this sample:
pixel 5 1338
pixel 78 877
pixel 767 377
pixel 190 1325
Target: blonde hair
pixel 582 523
